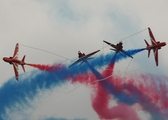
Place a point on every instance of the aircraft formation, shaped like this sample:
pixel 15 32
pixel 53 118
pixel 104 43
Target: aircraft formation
pixel 118 48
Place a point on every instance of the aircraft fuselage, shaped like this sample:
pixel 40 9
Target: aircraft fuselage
pixel 10 60
pixel 159 45
pixel 119 47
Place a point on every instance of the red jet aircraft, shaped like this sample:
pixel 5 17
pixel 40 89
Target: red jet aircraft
pixel 118 48
pixel 83 58
pixel 15 62
pixel 156 45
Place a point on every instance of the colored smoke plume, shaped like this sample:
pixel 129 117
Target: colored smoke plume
pixel 147 90
pixel 46 67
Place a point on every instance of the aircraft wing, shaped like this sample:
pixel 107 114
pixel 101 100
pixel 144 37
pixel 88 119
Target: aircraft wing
pixel 126 53
pixel 15 55
pixel 114 46
pixel 15 67
pixel 156 55
pixel 90 54
pixel 84 57
pixel 79 60
pixel 152 38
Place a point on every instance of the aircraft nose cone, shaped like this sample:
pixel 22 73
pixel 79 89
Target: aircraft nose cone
pixel 164 43
pixel 4 58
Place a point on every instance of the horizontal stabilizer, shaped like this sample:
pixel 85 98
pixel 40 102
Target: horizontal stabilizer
pixel 113 49
pixel 23 68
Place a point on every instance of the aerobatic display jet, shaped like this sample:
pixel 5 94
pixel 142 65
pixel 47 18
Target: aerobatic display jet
pixel 156 45
pixel 15 61
pixel 83 58
pixel 118 48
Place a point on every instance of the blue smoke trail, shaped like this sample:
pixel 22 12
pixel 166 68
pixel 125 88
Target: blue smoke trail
pixel 130 52
pixel 101 60
pixel 13 92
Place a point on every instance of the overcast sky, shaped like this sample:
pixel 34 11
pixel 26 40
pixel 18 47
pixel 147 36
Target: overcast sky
pixel 65 26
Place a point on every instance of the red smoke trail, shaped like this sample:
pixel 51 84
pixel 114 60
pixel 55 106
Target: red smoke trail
pixel 100 102
pixel 146 90
pixel 101 99
pixel 46 67
pixel 121 111
pixel 156 89
pixel 88 79
pixel 109 69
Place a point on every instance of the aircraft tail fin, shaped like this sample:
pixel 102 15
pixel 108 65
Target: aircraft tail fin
pixel 23 58
pixel 147 47
pixel 23 62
